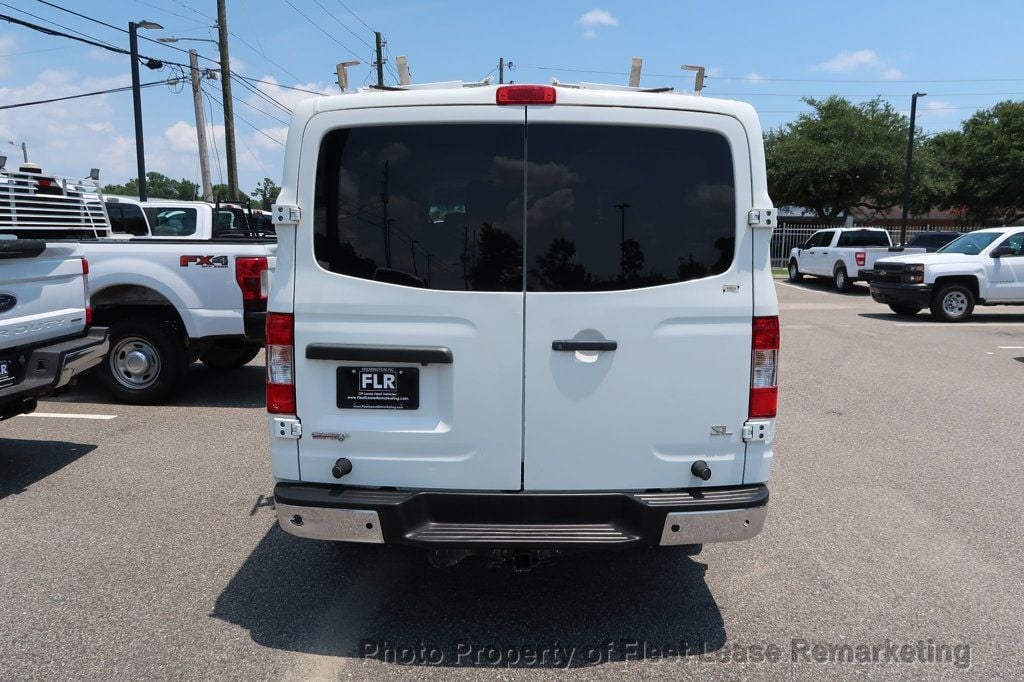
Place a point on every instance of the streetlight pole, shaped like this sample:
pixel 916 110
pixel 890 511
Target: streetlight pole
pixel 24 149
pixel 140 152
pixel 910 161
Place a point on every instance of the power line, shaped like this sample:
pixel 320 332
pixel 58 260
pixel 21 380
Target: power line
pixel 213 138
pixel 355 15
pixel 286 87
pixel 262 95
pixel 778 80
pixel 258 130
pixel 338 21
pixel 321 29
pixel 84 94
pixel 96 41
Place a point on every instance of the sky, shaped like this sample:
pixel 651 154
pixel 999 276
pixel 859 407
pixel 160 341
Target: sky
pixel 769 53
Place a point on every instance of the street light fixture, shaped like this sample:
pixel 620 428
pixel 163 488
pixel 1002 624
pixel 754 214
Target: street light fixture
pixel 140 152
pixel 910 161
pixel 24 150
pixel 174 39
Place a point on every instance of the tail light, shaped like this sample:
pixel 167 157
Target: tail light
pixel 764 372
pixel 249 275
pixel 525 94
pixel 280 363
pixel 861 258
pixel 85 277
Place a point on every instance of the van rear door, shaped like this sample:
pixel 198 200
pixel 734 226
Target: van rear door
pixel 409 324
pixel 639 298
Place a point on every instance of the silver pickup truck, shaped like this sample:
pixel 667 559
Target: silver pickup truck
pixel 45 335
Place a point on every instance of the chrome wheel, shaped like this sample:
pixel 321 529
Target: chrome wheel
pixel 135 363
pixel 954 303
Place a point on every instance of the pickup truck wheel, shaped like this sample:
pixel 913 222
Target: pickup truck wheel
pixel 218 356
pixel 146 362
pixel 841 279
pixel 794 271
pixel 904 310
pixel 952 303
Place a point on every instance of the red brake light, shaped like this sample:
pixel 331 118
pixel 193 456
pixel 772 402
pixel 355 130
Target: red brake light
pixel 88 316
pixel 861 258
pixel 248 274
pixel 525 94
pixel 280 363
pixel 85 267
pixel 764 389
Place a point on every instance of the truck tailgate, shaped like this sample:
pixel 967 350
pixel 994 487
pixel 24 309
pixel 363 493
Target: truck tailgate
pixel 42 296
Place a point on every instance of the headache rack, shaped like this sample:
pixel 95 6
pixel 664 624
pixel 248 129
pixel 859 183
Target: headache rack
pixel 42 206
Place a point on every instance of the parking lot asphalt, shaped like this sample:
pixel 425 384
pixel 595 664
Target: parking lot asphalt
pixel 142 543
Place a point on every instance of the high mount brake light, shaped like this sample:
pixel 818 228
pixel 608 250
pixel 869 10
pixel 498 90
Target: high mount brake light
pixel 764 388
pixel 280 363
pixel 525 94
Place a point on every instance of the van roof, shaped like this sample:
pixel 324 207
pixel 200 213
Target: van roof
pixel 457 93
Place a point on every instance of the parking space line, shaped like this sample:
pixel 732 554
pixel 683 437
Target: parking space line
pixel 959 324
pixel 1010 347
pixel 69 415
pixel 813 291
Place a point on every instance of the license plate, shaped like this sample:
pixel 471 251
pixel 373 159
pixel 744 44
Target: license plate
pixel 379 388
pixel 6 372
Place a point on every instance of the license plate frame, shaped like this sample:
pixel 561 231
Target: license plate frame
pixel 378 388
pixel 8 371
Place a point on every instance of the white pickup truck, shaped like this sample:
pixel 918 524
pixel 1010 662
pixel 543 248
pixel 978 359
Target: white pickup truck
pixel 183 281
pixel 985 267
pixel 840 254
pixel 45 335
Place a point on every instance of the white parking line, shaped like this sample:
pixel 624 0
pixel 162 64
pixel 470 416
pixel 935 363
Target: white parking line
pixel 958 324
pixel 813 291
pixel 69 415
pixel 1010 347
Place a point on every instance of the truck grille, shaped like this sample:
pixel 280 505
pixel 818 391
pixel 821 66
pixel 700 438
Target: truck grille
pixel 888 273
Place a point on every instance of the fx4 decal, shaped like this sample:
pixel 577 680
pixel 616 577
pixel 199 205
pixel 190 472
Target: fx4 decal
pixel 204 261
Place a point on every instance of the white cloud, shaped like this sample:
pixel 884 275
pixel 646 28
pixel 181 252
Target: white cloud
pixel 754 78
pixel 6 45
pixel 937 107
pixel 860 60
pixel 593 19
pixel 714 72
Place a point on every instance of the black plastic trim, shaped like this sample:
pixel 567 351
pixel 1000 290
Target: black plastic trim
pixel 428 518
pixel 424 355
pixel 918 295
pixel 255 326
pixel 571 345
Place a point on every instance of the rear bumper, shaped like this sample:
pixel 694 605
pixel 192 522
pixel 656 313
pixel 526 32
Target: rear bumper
pixel 48 368
pixel 484 520
pixel 915 295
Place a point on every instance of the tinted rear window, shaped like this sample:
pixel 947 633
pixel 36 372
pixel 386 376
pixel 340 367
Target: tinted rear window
pixel 171 222
pixel 127 219
pixel 623 207
pixel 607 207
pixel 865 238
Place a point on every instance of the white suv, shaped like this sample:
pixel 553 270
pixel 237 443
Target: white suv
pixel 522 319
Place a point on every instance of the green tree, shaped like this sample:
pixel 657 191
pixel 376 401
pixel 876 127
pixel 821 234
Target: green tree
pixel 839 157
pixel 220 191
pixel 984 165
pixel 266 194
pixel 158 186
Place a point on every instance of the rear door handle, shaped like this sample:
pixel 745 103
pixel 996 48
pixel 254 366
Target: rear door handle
pixel 570 345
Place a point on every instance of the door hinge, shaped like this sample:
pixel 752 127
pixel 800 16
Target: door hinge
pixel 285 427
pixel 286 214
pixel 758 431
pixel 761 217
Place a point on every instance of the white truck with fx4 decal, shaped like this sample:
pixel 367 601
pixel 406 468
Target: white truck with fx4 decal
pixel 175 281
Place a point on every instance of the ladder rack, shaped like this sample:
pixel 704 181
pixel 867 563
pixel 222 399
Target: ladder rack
pixel 56 207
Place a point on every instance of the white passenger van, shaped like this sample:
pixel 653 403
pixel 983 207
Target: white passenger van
pixel 517 320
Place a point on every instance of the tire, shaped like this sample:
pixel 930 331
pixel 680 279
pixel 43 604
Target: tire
pixel 952 303
pixel 794 271
pixel 228 356
pixel 904 310
pixel 841 279
pixel 146 362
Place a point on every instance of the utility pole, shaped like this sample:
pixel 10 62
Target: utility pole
pixel 634 72
pixel 404 76
pixel 229 110
pixel 140 152
pixel 501 70
pixel 342 70
pixel 910 161
pixel 197 101
pixel 24 149
pixel 622 236
pixel 380 58
pixel 698 78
